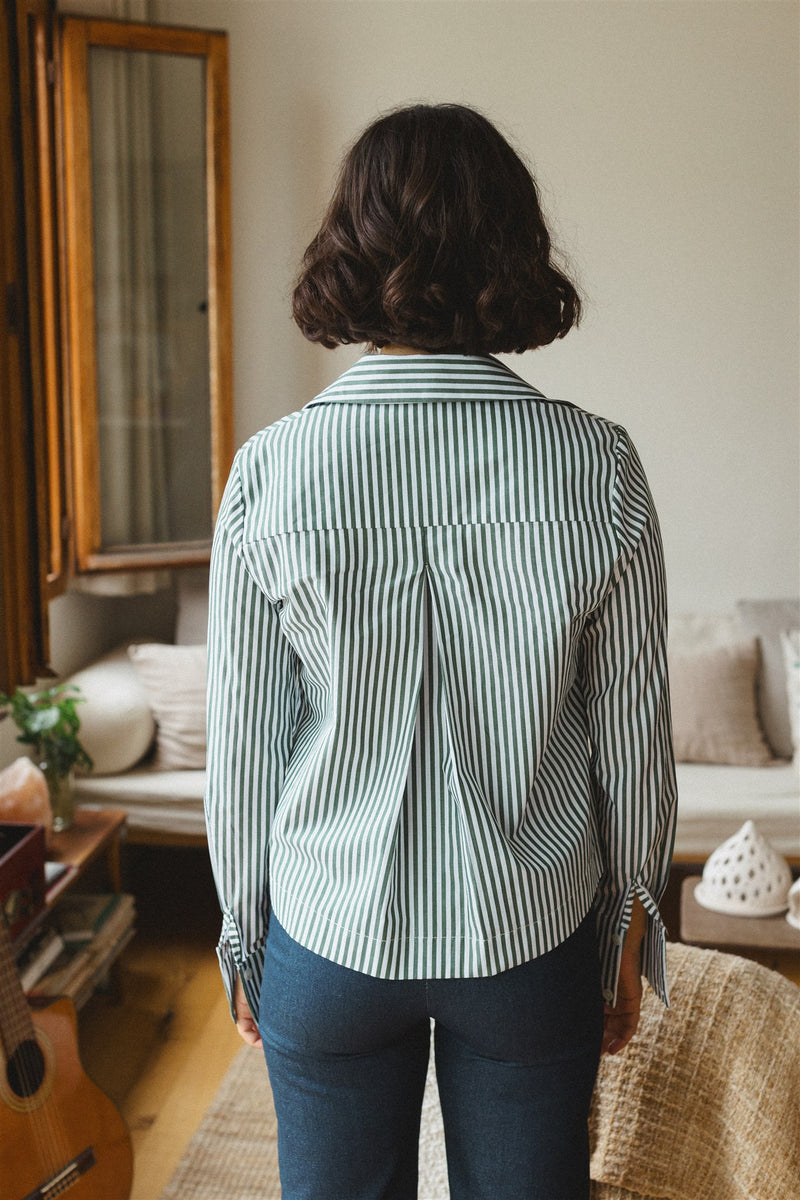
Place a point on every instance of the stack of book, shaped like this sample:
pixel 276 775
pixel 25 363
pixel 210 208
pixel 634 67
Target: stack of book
pixel 39 955
pixel 83 937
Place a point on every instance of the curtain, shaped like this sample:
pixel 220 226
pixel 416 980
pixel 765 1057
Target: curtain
pixel 130 374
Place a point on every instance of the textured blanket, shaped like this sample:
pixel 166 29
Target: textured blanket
pixel 705 1102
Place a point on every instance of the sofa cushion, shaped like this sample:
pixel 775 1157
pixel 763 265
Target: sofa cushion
pixel 174 678
pixel 117 726
pixel 714 718
pixel 156 802
pixel 766 620
pixel 715 801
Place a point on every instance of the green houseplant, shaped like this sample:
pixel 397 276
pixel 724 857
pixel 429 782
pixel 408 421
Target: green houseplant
pixel 49 722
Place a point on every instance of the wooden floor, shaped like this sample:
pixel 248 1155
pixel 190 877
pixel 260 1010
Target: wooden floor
pixel 160 1048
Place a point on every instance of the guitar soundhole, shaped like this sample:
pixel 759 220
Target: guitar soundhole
pixel 25 1069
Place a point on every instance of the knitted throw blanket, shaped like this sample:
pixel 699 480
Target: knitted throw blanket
pixel 704 1104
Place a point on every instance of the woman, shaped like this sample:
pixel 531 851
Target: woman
pixel 440 781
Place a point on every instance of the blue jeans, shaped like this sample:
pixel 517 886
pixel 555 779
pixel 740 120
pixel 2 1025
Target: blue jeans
pixel 516 1060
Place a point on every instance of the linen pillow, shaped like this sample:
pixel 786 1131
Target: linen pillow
pixel 174 678
pixel 714 717
pixel 766 620
pixel 790 642
pixel 117 726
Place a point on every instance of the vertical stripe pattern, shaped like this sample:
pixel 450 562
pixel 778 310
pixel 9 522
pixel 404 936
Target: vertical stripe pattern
pixel 438 720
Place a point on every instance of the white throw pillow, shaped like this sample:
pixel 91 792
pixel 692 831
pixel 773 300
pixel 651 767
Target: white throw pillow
pixel 766 620
pixel 790 644
pixel 117 726
pixel 175 680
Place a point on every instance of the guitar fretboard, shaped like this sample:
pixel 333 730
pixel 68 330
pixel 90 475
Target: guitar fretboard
pixel 16 1024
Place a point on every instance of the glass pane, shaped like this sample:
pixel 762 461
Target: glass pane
pixel 151 296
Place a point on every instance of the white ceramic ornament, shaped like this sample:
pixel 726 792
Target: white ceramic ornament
pixel 793 915
pixel 745 877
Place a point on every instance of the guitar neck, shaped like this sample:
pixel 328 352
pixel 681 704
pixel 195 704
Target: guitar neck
pixel 16 1023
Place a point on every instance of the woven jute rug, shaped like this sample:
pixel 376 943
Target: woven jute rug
pixel 703 1105
pixel 234 1153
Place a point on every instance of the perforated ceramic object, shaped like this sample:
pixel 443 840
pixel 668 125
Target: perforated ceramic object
pixel 745 877
pixel 793 915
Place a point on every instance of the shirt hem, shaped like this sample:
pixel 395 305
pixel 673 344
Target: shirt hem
pixel 392 956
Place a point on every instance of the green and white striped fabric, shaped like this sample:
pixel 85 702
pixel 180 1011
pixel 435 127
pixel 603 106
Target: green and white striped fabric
pixel 438 721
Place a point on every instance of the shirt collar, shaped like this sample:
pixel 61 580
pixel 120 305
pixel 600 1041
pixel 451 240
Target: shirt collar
pixel 416 378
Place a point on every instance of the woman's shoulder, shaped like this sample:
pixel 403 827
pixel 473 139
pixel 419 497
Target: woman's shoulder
pixel 259 443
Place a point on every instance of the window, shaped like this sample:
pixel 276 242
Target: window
pixel 146 203
pixel 115 313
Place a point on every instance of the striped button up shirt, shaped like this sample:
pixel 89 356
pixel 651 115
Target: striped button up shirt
pixel 438 721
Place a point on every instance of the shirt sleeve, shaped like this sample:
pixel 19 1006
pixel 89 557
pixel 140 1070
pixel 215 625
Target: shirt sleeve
pixel 253 701
pixel 626 690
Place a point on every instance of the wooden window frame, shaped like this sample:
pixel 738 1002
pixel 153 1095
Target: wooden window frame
pixel 76 36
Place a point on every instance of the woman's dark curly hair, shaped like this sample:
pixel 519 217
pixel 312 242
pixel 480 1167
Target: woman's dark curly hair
pixel 434 239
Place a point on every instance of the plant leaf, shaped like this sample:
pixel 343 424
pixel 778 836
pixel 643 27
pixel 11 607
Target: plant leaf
pixel 43 719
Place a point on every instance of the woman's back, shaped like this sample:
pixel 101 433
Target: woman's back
pixel 435 535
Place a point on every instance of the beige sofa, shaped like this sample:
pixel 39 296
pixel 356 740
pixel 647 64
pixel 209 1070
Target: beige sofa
pixel 734 685
pixel 144 724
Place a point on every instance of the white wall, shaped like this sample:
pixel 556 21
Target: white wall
pixel 665 139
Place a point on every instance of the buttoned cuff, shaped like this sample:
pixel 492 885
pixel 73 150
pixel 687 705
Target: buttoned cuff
pixel 249 967
pixel 614 916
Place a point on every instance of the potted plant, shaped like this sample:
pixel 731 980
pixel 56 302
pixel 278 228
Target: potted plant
pixel 49 722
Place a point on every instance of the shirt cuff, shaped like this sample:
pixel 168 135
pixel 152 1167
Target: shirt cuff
pixel 613 921
pixel 249 967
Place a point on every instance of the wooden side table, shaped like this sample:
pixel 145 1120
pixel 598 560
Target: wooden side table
pixel 93 834
pixel 771 941
pixel 94 837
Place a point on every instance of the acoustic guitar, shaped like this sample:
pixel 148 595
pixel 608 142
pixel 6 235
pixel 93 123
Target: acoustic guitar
pixel 59 1134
